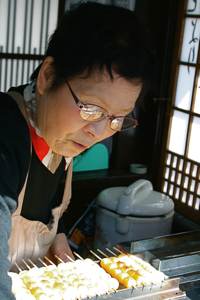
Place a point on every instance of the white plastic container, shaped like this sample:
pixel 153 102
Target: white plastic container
pixel 132 213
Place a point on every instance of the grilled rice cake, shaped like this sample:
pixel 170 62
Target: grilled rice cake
pixel 132 271
pixel 72 280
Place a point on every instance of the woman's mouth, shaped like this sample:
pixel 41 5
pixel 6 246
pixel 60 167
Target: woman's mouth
pixel 80 146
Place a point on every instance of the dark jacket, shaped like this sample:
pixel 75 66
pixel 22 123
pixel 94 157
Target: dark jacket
pixel 14 162
pixel 42 189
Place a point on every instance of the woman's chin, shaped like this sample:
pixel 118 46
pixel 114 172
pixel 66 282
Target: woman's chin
pixel 68 149
pixel 63 151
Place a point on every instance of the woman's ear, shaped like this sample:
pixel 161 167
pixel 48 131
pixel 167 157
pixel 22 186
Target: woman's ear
pixel 45 75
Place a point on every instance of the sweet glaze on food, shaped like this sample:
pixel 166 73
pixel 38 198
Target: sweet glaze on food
pixel 67 281
pixel 132 271
pixel 84 278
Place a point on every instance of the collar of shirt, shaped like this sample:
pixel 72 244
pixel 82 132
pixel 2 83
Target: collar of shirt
pixel 42 150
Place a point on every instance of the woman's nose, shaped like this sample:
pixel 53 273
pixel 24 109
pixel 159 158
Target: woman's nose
pixel 97 128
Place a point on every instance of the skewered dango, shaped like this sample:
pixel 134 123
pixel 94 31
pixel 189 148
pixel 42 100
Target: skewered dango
pixel 131 271
pixel 84 278
pixel 73 280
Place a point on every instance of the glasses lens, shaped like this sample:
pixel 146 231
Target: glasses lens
pixel 123 123
pixel 128 123
pixel 91 113
pixel 116 124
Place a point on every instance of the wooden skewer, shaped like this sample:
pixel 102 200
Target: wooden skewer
pixel 100 251
pixel 58 258
pixel 32 263
pixel 28 267
pixel 50 261
pixel 111 252
pixel 69 257
pixel 98 257
pixel 76 254
pixel 118 250
pixel 18 267
pixel 42 262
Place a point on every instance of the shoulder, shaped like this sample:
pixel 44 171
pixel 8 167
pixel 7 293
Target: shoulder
pixel 14 146
pixel 8 106
pixel 12 122
pixel 7 102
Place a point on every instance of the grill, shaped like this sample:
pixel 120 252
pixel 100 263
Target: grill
pixel 168 289
pixel 178 256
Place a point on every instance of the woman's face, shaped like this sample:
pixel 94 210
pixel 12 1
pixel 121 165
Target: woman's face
pixel 58 116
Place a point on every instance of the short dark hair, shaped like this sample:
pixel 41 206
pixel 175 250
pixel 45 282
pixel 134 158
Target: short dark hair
pixel 97 36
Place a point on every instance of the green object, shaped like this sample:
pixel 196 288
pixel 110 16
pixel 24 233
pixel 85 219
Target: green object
pixel 95 158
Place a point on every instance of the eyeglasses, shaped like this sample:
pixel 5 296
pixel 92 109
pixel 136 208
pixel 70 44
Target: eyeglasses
pixel 95 113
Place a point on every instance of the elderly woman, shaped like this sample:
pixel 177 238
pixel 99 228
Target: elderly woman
pixel 84 91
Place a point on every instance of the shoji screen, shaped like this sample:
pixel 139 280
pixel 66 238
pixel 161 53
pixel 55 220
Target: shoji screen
pixel 181 178
pixel 25 26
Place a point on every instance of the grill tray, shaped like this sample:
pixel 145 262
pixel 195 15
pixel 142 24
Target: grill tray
pixel 168 290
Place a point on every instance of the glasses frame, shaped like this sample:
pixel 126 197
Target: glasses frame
pixel 81 105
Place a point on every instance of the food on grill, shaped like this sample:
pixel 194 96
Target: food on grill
pixel 72 280
pixel 132 271
pixel 19 289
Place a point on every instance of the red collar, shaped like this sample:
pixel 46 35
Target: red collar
pixel 40 146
